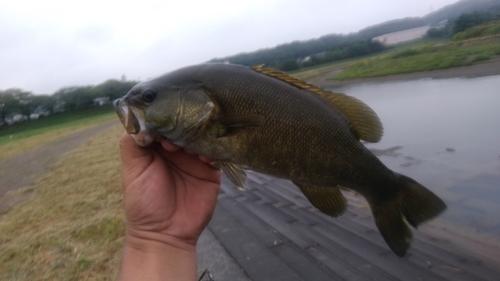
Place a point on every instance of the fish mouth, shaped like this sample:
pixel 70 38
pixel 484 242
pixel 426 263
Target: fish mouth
pixel 133 120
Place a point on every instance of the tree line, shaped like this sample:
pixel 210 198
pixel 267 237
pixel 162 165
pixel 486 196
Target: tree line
pixel 18 105
pixel 464 22
pixel 297 54
pixel 327 48
pixel 334 47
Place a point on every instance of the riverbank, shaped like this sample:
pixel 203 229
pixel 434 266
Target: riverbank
pixel 485 68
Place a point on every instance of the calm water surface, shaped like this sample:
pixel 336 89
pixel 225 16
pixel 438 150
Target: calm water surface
pixel 449 136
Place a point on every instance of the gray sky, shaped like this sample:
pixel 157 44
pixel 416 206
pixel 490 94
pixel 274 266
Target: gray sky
pixel 46 45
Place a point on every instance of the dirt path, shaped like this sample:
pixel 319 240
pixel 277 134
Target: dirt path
pixel 22 170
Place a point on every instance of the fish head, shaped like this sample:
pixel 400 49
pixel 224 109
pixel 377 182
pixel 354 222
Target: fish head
pixel 150 110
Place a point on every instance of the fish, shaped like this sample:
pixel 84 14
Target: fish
pixel 264 120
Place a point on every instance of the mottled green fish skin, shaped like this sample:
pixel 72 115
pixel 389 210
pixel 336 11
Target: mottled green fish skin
pixel 304 138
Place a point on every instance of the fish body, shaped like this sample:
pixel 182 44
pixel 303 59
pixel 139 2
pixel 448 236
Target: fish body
pixel 266 121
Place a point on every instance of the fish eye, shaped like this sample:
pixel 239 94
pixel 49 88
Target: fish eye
pixel 148 95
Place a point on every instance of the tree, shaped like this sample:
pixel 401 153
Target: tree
pixel 435 33
pixel 75 98
pixel 460 7
pixel 44 102
pixel 289 65
pixel 375 46
pixel 466 21
pixel 113 89
pixel 19 102
pixel 7 104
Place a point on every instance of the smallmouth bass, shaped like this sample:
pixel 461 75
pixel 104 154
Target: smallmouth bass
pixel 264 120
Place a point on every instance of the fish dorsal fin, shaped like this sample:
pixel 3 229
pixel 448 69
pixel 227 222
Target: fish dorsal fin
pixel 363 119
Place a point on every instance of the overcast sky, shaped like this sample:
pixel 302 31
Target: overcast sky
pixel 46 45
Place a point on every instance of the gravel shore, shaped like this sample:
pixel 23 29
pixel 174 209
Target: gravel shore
pixel 486 68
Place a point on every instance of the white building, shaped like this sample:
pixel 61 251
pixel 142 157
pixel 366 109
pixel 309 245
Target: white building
pixel 402 36
pixel 100 101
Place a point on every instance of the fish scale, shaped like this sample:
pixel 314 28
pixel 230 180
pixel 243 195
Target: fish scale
pixel 311 136
pixel 264 120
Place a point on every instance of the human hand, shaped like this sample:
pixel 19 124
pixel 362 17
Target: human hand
pixel 169 198
pixel 167 190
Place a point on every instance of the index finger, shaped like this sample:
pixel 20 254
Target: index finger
pixel 167 145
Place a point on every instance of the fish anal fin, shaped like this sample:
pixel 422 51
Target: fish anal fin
pixel 363 119
pixel 328 199
pixel 234 172
pixel 231 124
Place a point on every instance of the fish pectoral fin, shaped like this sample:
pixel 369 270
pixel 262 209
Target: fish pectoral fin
pixel 231 124
pixel 234 172
pixel 328 199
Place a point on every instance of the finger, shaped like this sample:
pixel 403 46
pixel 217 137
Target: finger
pixel 214 165
pixel 135 159
pixel 190 164
pixel 129 149
pixel 190 152
pixel 211 162
pixel 167 145
pixel 205 159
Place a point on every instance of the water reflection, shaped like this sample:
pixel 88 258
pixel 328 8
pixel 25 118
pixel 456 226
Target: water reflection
pixel 449 133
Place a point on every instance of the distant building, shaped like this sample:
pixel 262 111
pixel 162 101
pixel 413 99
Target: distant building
pixel 59 106
pixel 402 36
pixel 100 101
pixel 15 118
pixel 308 58
pixel 40 111
pixel 441 24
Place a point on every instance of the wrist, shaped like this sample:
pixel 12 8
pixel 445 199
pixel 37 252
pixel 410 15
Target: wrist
pixel 154 256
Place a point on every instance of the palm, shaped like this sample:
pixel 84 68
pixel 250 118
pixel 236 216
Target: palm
pixel 170 192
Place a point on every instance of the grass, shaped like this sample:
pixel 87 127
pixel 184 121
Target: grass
pixel 414 56
pixel 61 120
pixel 314 71
pixel 26 136
pixel 426 56
pixel 311 73
pixel 486 29
pixel 71 227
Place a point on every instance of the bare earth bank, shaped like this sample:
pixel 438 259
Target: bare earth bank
pixel 486 68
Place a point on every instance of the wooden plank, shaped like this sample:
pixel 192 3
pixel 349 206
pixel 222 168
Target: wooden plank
pixel 258 262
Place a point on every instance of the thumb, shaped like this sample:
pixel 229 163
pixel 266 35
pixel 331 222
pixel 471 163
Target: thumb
pixel 135 159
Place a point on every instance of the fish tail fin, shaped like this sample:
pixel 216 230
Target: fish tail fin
pixel 414 204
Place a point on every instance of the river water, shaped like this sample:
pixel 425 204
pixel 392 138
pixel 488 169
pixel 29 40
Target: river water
pixel 446 135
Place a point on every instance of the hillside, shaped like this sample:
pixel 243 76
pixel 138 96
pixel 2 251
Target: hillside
pixel 474 53
pixel 461 7
pixel 285 56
